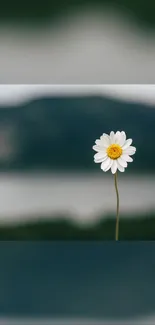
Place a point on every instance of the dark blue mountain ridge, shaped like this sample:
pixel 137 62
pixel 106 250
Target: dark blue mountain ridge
pixel 59 132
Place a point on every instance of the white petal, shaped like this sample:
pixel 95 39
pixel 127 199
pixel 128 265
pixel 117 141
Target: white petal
pixel 120 168
pixel 105 164
pixel 123 138
pixel 104 135
pixel 127 144
pixel 98 142
pixel 130 151
pixel 114 167
pixel 122 162
pixel 109 166
pixel 126 157
pixel 98 148
pixel 105 140
pixel 100 156
pixel 112 137
pixel 117 137
pixel 97 161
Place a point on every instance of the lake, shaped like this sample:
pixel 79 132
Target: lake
pixel 81 196
pixel 45 321
pixel 77 281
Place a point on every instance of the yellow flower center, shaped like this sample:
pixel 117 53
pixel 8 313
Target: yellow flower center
pixel 114 151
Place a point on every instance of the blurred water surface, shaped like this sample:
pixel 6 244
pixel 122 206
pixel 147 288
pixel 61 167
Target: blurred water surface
pixel 43 321
pixel 77 281
pixel 82 197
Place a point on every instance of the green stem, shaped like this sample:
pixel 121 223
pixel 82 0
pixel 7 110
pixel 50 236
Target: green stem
pixel 117 213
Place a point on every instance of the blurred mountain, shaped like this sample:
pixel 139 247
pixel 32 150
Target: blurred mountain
pixel 59 132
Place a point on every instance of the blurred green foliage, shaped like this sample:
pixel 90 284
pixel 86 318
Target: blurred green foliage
pixel 32 12
pixel 137 228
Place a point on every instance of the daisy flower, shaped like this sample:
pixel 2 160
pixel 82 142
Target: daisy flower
pixel 113 151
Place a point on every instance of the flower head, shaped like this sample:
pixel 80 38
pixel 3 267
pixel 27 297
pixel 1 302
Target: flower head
pixel 113 151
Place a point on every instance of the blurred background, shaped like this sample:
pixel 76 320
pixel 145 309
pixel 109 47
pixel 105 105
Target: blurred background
pixel 50 187
pixel 57 208
pixel 77 41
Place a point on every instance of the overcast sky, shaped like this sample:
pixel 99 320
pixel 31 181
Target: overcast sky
pixel 16 94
